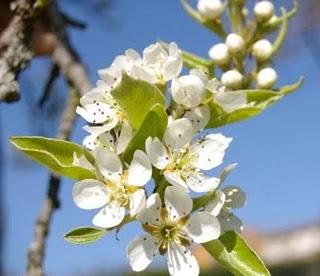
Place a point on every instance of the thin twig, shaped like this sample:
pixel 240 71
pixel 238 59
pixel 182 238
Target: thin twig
pixel 37 249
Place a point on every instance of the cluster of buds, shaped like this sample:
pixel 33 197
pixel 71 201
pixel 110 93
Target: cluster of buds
pixel 246 42
pixel 178 163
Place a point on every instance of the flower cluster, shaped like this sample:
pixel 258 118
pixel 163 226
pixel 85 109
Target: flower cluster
pixel 179 161
pixel 243 44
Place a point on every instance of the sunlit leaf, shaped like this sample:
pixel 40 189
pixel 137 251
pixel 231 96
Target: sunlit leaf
pixel 84 235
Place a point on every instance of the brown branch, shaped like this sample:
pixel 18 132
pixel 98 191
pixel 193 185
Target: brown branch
pixel 37 249
pixel 15 45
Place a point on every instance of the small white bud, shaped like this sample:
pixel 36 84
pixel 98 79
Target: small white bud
pixel 210 9
pixel 262 50
pixel 263 11
pixel 219 53
pixel 266 78
pixel 232 79
pixel 235 43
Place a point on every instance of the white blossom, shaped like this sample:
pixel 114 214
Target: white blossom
pixel 266 78
pixel 182 161
pixel 235 43
pixel 263 11
pixel 157 64
pixel 199 117
pixel 171 230
pixel 262 50
pixel 232 79
pixel 225 200
pixel 211 9
pixel 219 53
pixel 188 90
pixel 116 190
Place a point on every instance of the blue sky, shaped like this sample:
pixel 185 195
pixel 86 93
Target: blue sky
pixel 278 152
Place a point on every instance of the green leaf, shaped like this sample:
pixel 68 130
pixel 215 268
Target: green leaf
pixel 56 155
pixel 84 235
pixel 234 254
pixel 212 25
pixel 136 98
pixel 154 125
pixel 285 90
pixel 194 61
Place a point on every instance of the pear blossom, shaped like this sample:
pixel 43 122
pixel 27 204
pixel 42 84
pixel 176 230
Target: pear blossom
pixel 219 53
pixel 171 230
pixel 263 11
pixel 235 43
pixel 115 190
pixel 182 161
pixel 116 141
pixel 225 200
pixel 158 65
pixel 266 78
pixel 199 117
pixel 100 110
pixel 262 50
pixel 210 9
pixel 188 90
pixel 232 79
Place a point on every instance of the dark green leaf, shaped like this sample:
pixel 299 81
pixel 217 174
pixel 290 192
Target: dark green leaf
pixel 56 155
pixel 234 254
pixel 84 235
pixel 154 125
pixel 136 98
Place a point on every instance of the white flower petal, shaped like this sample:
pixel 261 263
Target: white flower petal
pixel 109 164
pixel 175 179
pixel 230 222
pixel 151 214
pixel 231 100
pixel 125 137
pixel 90 194
pixel 92 96
pixel 137 202
pixel 215 205
pixel 157 153
pixel 200 183
pixel 97 130
pixel 109 216
pixel 96 113
pixel 174 63
pixel 177 202
pixel 154 53
pixel 140 171
pixel 188 90
pixel 203 227
pixel 81 162
pixel 210 151
pixel 181 262
pixel 235 197
pixel 178 134
pixel 141 251
pixel 199 117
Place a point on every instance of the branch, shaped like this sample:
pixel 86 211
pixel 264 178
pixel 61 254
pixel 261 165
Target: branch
pixel 15 43
pixel 37 249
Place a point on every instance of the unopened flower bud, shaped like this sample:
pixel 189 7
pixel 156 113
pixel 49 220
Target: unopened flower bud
pixel 219 53
pixel 235 43
pixel 232 79
pixel 266 78
pixel 262 50
pixel 263 11
pixel 210 9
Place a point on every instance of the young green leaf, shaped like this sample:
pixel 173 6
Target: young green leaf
pixel 136 97
pixel 234 254
pixel 56 155
pixel 84 235
pixel 282 33
pixel 154 125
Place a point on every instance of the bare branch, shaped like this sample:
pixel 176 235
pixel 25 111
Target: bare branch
pixel 37 249
pixel 15 44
